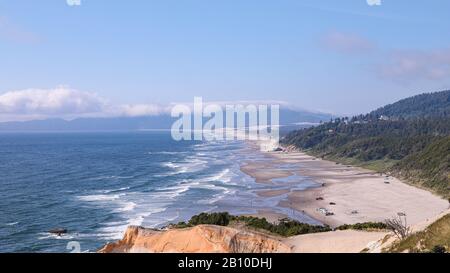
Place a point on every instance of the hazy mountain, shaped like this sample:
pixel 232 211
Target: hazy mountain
pixel 288 117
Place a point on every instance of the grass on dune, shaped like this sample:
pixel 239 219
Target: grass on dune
pixel 435 237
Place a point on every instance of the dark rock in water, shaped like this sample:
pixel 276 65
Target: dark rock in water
pixel 278 150
pixel 58 231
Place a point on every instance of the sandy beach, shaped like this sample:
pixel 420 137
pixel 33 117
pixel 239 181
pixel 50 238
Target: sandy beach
pixel 304 187
pixel 348 241
pixel 264 172
pixel 351 194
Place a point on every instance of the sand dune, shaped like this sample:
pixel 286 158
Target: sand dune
pixel 348 241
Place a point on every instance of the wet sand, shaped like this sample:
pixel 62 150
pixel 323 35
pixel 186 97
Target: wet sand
pixel 352 194
pixel 263 172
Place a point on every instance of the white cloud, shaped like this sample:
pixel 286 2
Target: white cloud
pixel 408 65
pixel 138 110
pixel 68 103
pixel 400 66
pixel 347 42
pixel 374 2
pixel 58 101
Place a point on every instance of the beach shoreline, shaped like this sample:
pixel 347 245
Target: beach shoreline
pixel 301 184
pixel 349 194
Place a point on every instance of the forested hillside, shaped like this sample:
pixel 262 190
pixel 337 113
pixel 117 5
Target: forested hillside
pixel 425 105
pixel 429 167
pixel 410 138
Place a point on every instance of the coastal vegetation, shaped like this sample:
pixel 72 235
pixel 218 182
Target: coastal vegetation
pixel 216 218
pixel 435 238
pixel 285 227
pixel 364 226
pixel 409 139
pixel 219 219
pixel 425 105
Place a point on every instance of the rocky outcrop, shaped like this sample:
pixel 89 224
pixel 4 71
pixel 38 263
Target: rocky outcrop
pixel 199 239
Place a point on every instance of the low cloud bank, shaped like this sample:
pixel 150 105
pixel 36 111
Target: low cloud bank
pixel 68 103
pixel 65 102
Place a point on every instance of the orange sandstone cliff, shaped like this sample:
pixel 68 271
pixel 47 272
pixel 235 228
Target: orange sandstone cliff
pixel 199 239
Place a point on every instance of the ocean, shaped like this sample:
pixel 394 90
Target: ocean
pixel 96 184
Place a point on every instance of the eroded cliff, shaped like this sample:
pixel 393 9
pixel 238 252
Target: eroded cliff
pixel 199 239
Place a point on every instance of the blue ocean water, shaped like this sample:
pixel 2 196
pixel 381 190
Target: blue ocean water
pixel 96 184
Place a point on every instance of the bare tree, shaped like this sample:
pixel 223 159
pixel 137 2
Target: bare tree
pixel 399 226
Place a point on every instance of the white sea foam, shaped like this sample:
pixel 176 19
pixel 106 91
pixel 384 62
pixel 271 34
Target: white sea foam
pixel 47 236
pixel 170 165
pixel 115 230
pixel 109 177
pixel 165 153
pixel 99 197
pixel 210 187
pixel 178 169
pixel 223 176
pixel 115 190
pixel 133 207
pixel 211 201
pixel 206 168
pixel 189 165
pixel 174 191
pixel 128 206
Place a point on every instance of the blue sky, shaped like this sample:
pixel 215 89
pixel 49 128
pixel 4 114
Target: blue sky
pixel 343 56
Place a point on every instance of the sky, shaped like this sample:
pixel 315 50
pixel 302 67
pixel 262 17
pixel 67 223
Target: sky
pixel 136 57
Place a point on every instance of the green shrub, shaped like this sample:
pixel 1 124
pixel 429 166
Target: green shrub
pixel 438 249
pixel 218 218
pixel 181 225
pixel 363 226
pixel 286 227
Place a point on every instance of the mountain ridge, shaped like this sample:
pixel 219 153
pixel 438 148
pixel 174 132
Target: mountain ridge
pixel 287 117
pixel 435 104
